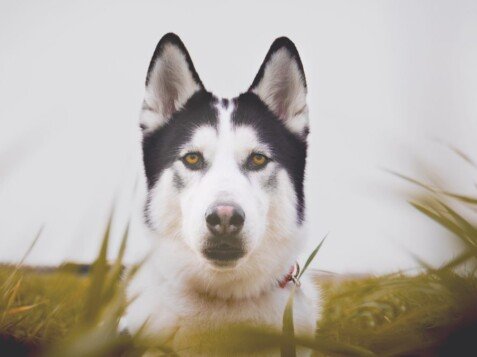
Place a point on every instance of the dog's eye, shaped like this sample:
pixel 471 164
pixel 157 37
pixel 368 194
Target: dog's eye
pixel 257 161
pixel 193 160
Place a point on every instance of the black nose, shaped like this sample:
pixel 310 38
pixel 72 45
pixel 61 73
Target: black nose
pixel 225 219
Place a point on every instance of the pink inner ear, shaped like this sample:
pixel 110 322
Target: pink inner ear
pixel 169 101
pixel 282 105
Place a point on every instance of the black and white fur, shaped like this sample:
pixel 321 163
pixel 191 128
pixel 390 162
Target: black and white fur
pixel 180 289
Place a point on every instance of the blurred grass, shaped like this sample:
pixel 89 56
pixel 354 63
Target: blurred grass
pixel 388 315
pixel 74 311
pixel 39 307
pixel 396 314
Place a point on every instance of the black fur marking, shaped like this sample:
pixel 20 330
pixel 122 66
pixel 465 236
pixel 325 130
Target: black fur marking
pixel 160 148
pixel 145 211
pixel 272 182
pixel 289 150
pixel 279 43
pixel 172 38
pixel 225 103
pixel 178 181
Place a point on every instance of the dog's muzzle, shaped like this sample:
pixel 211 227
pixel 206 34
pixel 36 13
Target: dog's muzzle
pixel 225 222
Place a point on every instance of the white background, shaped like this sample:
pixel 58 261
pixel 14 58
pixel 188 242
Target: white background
pixel 389 83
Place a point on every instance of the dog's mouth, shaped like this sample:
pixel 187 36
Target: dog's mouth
pixel 224 250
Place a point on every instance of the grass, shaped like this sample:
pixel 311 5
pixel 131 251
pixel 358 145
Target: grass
pixel 396 314
pixel 39 307
pixel 387 315
pixel 67 312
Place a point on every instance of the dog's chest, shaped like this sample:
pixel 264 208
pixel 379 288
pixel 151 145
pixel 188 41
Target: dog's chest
pixel 169 310
pixel 264 309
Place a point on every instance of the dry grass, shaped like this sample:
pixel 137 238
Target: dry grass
pixel 386 315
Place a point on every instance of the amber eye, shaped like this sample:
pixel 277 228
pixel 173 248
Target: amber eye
pixel 193 160
pixel 257 161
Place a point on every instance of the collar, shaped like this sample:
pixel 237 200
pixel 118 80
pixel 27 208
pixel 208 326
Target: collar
pixel 292 275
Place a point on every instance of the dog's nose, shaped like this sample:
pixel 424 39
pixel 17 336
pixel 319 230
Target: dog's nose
pixel 225 219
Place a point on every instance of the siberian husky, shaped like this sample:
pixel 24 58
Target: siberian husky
pixel 225 198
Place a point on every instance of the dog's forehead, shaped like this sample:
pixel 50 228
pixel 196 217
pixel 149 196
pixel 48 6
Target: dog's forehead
pixel 202 137
pixel 225 133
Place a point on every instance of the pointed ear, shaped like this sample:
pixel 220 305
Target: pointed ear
pixel 171 80
pixel 281 84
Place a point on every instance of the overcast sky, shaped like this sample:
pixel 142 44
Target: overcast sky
pixel 389 83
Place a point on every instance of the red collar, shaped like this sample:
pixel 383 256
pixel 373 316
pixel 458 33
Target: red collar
pixel 292 275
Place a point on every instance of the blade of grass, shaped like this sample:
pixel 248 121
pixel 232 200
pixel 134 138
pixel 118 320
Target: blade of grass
pixel 98 276
pixel 459 260
pixel 468 228
pixel 117 268
pixel 19 309
pixel 461 154
pixel 312 256
pixel 443 221
pixel 14 272
pixel 288 347
pixel 32 245
pixel 463 198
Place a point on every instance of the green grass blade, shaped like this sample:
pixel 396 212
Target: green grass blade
pixel 468 228
pixel 463 198
pixel 459 260
pixel 312 256
pixel 443 221
pixel 98 277
pixel 288 347
pixel 116 270
pixel 32 245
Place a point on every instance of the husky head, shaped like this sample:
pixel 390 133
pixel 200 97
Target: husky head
pixel 225 176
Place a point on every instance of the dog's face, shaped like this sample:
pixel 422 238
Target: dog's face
pixel 224 175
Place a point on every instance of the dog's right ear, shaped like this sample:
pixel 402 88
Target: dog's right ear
pixel 171 80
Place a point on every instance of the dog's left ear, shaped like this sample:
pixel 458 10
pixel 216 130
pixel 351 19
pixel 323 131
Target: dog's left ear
pixel 281 84
pixel 171 81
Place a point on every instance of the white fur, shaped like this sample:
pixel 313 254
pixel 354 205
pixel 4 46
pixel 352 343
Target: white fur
pixel 177 291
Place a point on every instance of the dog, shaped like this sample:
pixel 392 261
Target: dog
pixel 225 199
